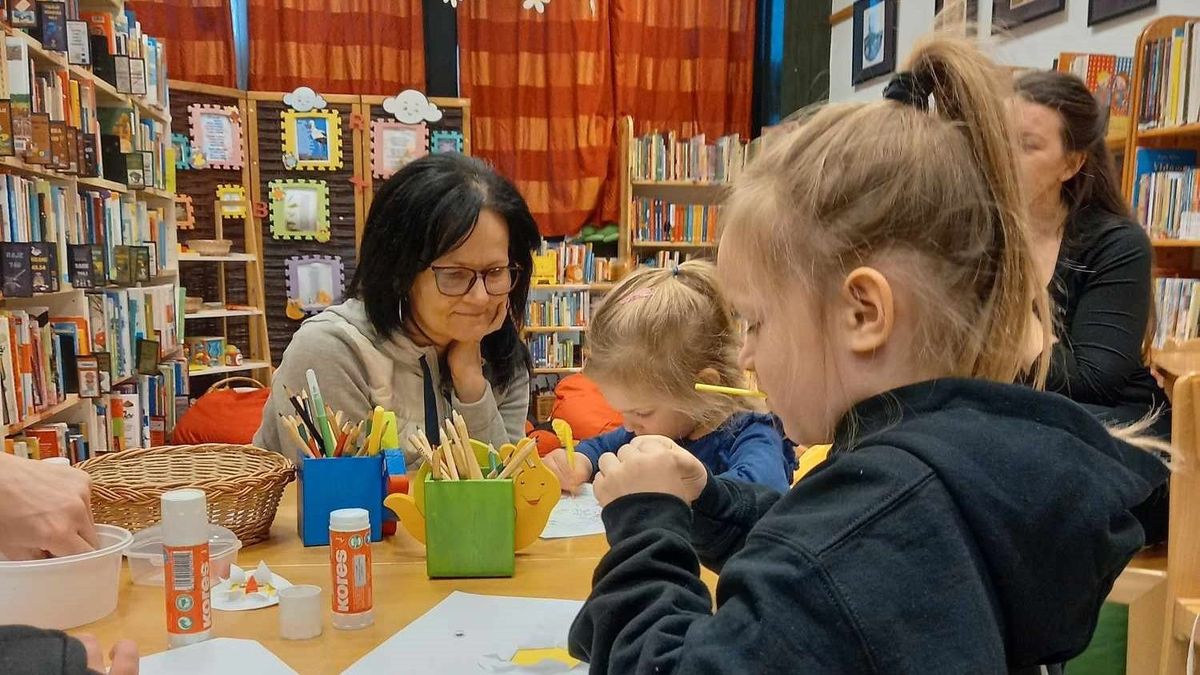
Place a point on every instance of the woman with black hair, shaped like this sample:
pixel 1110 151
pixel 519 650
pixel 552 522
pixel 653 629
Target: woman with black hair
pixel 432 323
pixel 1096 260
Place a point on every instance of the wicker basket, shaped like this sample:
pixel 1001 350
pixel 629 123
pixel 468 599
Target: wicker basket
pixel 243 485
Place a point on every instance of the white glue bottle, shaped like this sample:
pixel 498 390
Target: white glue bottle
pixel 350 562
pixel 185 570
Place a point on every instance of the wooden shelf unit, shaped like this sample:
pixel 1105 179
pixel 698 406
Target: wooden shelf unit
pixel 68 300
pixel 1183 582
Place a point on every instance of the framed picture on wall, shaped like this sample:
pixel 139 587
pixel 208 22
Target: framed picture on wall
pixel 299 209
pixel 1100 11
pixel 394 144
pixel 313 283
pixel 1012 13
pixel 216 136
pixel 874 39
pixel 312 140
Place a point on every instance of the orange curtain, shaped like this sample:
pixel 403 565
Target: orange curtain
pixel 542 103
pixel 199 37
pixel 686 67
pixel 343 47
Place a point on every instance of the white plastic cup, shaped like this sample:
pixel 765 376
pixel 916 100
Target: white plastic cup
pixel 300 612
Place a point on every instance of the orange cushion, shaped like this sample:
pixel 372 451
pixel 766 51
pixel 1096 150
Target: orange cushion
pixel 581 404
pixel 222 416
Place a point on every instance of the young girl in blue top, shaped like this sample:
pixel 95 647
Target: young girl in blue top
pixel 658 333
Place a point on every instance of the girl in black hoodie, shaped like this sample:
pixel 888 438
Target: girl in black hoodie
pixel 962 524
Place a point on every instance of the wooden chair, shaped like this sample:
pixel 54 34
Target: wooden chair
pixel 1183 540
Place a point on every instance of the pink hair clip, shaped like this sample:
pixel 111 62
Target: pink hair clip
pixel 639 294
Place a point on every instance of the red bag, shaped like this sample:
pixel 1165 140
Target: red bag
pixel 223 415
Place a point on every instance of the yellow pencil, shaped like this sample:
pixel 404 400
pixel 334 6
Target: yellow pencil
pixel 729 391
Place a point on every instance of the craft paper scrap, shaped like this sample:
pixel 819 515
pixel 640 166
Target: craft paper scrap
pixel 467 633
pixel 575 515
pixel 219 656
pixel 242 591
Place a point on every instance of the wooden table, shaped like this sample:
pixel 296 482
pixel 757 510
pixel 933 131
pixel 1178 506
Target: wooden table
pixel 560 568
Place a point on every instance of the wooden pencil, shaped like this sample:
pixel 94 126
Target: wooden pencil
pixel 295 434
pixel 516 462
pixel 448 455
pixel 464 437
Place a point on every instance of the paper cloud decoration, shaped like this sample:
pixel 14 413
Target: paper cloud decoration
pixel 410 106
pixel 304 99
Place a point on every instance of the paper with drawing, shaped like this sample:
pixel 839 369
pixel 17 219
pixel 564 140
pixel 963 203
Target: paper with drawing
pixel 575 516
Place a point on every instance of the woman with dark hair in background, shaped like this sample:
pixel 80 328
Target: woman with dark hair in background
pixel 1096 259
pixel 432 323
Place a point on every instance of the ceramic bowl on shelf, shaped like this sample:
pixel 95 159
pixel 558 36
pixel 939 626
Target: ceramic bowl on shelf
pixel 210 246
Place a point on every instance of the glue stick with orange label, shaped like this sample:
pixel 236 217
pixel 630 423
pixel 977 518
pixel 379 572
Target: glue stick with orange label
pixel 185 571
pixel 350 562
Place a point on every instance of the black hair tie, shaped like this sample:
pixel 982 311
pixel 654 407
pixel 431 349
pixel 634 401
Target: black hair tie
pixel 910 89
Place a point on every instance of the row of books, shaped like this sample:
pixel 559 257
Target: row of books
pixel 1166 196
pixel 1110 78
pixel 52 119
pixel 46 243
pixel 570 263
pixel 112 44
pixel 38 360
pixel 665 157
pixel 58 439
pixel 666 259
pixel 136 327
pixel 555 351
pixel 1168 204
pixel 1171 79
pixel 1178 304
pixel 559 309
pixel 657 220
pixel 142 414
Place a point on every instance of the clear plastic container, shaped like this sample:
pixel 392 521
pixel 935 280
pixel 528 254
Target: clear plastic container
pixel 146 555
pixel 64 592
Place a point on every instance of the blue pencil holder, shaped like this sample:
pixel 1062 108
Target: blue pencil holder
pixel 329 484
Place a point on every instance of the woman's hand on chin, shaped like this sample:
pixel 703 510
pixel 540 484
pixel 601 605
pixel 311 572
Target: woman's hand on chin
pixel 465 358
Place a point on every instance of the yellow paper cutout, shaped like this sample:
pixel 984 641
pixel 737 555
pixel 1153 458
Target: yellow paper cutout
pixel 532 657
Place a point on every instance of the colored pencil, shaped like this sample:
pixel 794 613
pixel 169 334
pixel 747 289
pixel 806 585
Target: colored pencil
pixel 728 391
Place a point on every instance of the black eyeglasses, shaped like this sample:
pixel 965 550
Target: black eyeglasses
pixel 458 281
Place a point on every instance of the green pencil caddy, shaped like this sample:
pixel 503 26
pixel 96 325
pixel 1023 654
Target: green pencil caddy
pixel 469 528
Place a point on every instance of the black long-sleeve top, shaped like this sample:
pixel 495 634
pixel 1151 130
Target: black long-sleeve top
pixel 1102 296
pixel 959 526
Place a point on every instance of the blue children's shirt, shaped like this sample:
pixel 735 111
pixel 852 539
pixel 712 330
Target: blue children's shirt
pixel 748 447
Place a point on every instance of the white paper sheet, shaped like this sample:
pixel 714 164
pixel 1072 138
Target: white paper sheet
pixel 219 656
pixel 575 516
pixel 467 633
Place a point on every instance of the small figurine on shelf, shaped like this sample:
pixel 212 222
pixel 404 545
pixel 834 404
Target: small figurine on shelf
pixel 233 356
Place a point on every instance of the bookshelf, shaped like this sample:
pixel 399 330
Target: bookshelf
pixel 109 278
pixel 1153 133
pixel 232 284
pixel 692 204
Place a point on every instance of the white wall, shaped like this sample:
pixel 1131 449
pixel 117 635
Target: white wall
pixel 1034 44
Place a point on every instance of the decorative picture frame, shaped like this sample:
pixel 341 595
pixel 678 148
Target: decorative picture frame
pixel 394 144
pixel 313 138
pixel 1007 14
pixel 216 136
pixel 1100 11
pixel 185 213
pixel 314 282
pixel 233 201
pixel 874 51
pixel 299 209
pixel 445 141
